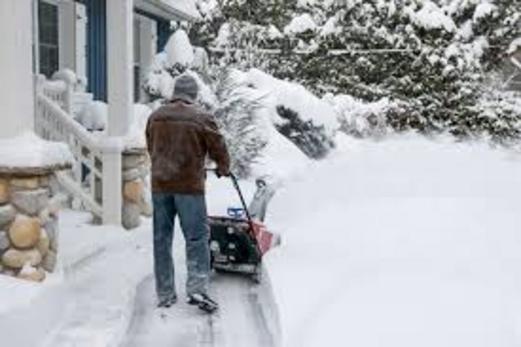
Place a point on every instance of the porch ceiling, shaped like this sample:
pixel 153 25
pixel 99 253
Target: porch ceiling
pixel 169 9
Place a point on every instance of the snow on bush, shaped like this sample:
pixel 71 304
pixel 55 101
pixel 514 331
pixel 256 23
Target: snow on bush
pixel 235 108
pixel 179 50
pixel 311 139
pixel 483 10
pixel 295 97
pixel 298 112
pixel 514 46
pixel 430 57
pixel 431 16
pixel 94 116
pixel 361 119
pixel 300 25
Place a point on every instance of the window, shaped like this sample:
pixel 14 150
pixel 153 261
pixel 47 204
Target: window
pixel 48 38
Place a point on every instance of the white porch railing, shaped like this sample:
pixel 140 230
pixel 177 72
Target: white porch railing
pixel 58 92
pixel 95 178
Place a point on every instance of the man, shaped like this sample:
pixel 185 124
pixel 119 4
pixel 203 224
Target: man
pixel 180 135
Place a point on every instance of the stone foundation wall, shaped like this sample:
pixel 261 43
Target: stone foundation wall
pixel 28 226
pixel 136 193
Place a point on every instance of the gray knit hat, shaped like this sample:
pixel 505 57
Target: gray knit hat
pixel 185 88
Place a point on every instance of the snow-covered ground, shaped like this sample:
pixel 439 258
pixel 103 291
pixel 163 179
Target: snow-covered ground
pixel 404 242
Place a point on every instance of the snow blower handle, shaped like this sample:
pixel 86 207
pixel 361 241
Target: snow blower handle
pixel 241 197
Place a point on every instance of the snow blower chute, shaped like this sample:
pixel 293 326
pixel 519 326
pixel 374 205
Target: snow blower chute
pixel 239 240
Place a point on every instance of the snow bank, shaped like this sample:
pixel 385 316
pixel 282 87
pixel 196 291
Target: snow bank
pixel 404 243
pixel 30 151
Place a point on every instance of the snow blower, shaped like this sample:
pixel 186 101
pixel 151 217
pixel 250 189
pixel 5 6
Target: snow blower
pixel 239 240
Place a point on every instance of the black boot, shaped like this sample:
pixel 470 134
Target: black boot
pixel 204 302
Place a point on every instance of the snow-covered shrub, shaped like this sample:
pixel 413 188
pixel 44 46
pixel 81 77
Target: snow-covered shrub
pixel 311 139
pixel 94 116
pixel 235 108
pixel 429 56
pixel 361 119
pixel 178 57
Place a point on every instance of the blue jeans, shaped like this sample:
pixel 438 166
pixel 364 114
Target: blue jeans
pixel 193 219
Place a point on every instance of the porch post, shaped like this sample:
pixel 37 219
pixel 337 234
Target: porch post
pixel 16 67
pixel 120 60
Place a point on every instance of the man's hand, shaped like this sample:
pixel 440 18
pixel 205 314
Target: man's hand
pixel 222 173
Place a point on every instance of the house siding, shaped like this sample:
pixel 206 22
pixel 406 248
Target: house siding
pixel 97 48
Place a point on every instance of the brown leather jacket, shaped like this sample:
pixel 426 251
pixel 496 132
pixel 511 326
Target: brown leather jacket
pixel 179 137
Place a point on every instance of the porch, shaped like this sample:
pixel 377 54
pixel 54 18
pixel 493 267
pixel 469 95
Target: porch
pixel 108 45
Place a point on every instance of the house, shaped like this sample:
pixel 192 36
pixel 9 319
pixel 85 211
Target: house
pixel 108 44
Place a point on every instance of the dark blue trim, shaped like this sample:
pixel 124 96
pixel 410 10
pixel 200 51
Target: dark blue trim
pixel 163 34
pixel 97 48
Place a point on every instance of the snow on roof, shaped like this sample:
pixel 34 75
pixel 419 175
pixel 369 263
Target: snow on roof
pixel 432 17
pixel 30 151
pixel 300 24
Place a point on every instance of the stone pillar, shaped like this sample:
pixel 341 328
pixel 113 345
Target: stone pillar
pixel 136 191
pixel 120 58
pixel 28 222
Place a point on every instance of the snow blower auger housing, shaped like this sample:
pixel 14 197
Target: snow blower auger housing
pixel 238 242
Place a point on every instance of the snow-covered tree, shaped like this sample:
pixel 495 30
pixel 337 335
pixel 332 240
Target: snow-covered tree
pixel 233 103
pixel 431 57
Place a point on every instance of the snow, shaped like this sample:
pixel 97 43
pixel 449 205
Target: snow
pixel 514 46
pixel 293 96
pixel 136 136
pixel 430 16
pixel 300 24
pixel 483 10
pixel 94 116
pixel 207 7
pixel 404 242
pixel 179 50
pixel 30 151
pixel 355 114
pixel 281 158
pixel 330 27
pixel 223 36
pixel 466 32
pixel 159 81
pixel 274 33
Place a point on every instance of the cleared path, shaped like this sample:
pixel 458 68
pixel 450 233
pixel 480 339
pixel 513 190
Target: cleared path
pixel 245 317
